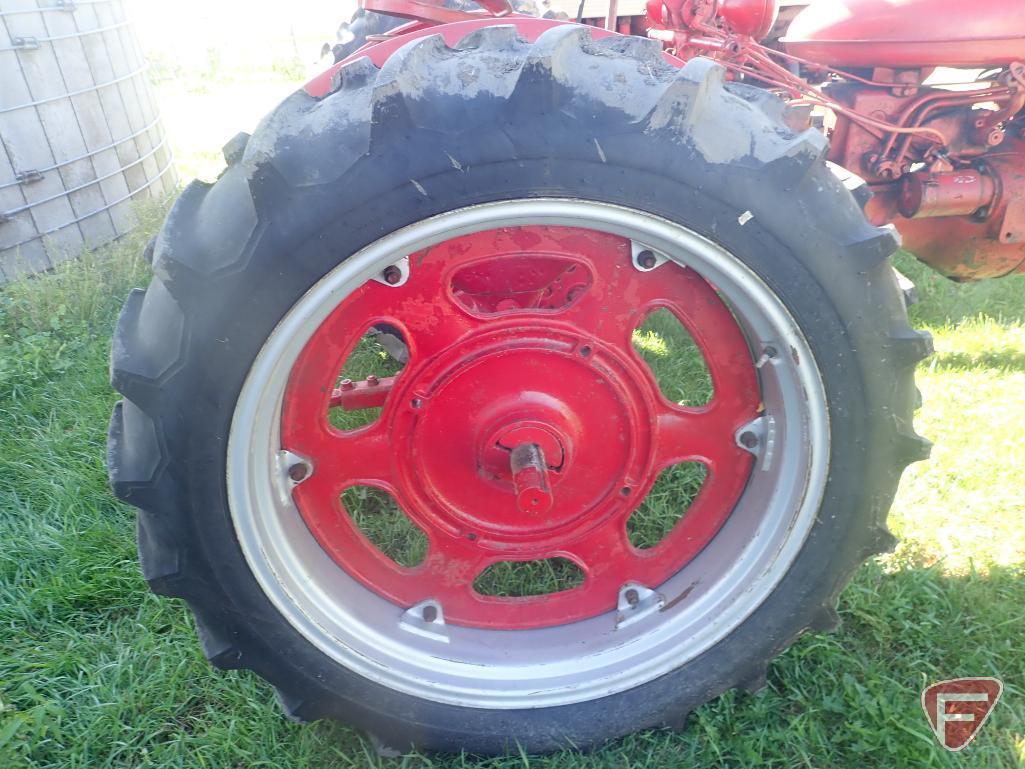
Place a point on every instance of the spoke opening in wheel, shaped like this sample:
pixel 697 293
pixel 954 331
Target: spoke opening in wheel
pixel 666 504
pixel 520 579
pixel 674 358
pixel 382 521
pixel 521 281
pixel 366 377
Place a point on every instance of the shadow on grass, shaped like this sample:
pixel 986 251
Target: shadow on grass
pixel 942 301
pixel 1005 360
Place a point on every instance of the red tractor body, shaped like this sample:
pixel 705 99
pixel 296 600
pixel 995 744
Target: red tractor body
pixel 910 35
pixel 922 100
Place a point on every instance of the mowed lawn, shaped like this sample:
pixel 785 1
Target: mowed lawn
pixel 97 672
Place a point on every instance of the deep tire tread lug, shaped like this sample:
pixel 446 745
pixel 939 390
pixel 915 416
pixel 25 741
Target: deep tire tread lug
pixel 496 37
pixel 198 240
pixel 235 148
pixel 687 99
pixel 908 348
pixel 217 641
pixel 135 455
pixel 543 72
pixel 678 721
pixel 298 708
pixel 825 620
pixel 147 252
pixel 148 343
pixel 355 74
pixel 912 447
pixel 881 540
pixel 798 158
pixel 160 556
pixel 755 681
pixel 907 288
pixel 872 250
pixel 387 746
pixel 862 194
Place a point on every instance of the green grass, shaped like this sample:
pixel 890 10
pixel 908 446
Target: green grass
pixel 379 516
pixel 674 359
pixel 96 672
pixel 510 579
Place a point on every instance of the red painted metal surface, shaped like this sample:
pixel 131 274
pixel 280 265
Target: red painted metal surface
pixel 753 18
pixel 962 124
pixel 551 369
pixel 368 394
pixel 910 33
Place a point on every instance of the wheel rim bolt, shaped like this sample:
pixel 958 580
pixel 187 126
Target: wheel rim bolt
pixel 298 472
pixel 392 275
pixel 632 597
pixel 646 259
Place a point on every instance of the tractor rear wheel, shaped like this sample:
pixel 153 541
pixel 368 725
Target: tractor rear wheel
pixel 535 524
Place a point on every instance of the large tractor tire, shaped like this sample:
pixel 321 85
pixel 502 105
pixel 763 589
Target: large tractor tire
pixel 510 213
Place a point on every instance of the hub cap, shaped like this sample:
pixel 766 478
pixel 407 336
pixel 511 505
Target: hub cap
pixel 526 427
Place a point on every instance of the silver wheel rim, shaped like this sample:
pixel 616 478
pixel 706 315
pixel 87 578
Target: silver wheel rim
pixel 515 669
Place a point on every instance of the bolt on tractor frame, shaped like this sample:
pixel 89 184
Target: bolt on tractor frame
pixel 941 155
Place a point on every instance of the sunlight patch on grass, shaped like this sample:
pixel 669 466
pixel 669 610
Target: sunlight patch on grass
pixel 966 504
pixel 650 343
pixel 674 358
pixel 964 508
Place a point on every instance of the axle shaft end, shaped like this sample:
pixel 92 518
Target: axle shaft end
pixel 530 477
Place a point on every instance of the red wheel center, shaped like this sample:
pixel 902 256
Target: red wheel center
pixel 512 385
pixel 525 426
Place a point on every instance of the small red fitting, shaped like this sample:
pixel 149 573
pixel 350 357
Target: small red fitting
pixel 530 477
